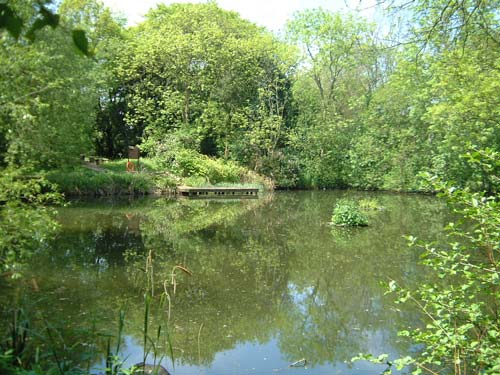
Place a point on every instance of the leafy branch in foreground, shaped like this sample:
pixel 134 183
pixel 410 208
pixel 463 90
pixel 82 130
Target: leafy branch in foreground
pixel 461 333
pixel 44 16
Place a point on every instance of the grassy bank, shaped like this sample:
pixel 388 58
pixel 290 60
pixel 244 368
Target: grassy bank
pixel 152 177
pixel 83 181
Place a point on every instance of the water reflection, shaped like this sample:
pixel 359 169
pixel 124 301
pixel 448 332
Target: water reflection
pixel 272 282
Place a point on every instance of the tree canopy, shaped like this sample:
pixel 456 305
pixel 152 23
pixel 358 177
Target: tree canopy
pixel 330 104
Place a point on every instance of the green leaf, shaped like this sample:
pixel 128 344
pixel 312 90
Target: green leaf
pixel 47 19
pixel 493 333
pixel 403 362
pixel 10 21
pixel 81 42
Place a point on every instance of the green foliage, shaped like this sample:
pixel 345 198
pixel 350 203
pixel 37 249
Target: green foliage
pixel 425 117
pixel 441 25
pixel 203 79
pixel 485 165
pixel 194 82
pixel 83 181
pixel 350 113
pixel 41 16
pixel 342 53
pixel 466 116
pixel 152 175
pixel 341 72
pixel 347 213
pixel 191 164
pixel 44 119
pixel 146 165
pixel 49 90
pixel 10 21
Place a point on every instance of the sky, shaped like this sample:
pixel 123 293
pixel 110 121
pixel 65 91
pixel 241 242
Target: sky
pixel 272 14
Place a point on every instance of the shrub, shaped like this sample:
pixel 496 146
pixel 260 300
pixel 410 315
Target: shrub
pixel 189 163
pixel 195 181
pixel 347 213
pixel 166 181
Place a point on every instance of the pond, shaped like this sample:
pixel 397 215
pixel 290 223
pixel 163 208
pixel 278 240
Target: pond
pixel 261 283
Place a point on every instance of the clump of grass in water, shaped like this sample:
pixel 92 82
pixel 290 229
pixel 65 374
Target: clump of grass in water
pixel 370 204
pixel 347 213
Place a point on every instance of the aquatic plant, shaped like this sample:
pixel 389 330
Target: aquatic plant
pixel 347 213
pixel 369 204
pixel 113 362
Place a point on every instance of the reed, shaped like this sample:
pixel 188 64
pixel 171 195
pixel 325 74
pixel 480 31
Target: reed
pixel 52 347
pixel 48 343
pixel 113 363
pixel 19 333
pixel 154 310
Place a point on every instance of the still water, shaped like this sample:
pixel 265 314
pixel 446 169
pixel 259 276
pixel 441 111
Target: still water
pixel 271 282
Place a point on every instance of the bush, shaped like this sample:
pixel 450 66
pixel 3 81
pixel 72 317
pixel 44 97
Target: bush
pixel 165 182
pixel 347 213
pixel 189 163
pixel 144 165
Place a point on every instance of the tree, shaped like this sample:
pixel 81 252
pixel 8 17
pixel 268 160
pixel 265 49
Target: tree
pixel 197 76
pixel 106 35
pixel 340 71
pixel 50 90
pixel 436 104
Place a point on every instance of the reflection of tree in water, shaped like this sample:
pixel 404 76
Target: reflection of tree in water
pixel 103 243
pixel 261 269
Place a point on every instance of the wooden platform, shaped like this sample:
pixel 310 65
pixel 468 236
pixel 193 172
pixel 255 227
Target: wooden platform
pixel 225 192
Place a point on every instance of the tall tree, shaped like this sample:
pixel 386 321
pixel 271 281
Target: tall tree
pixel 340 71
pixel 106 35
pixel 438 104
pixel 198 76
